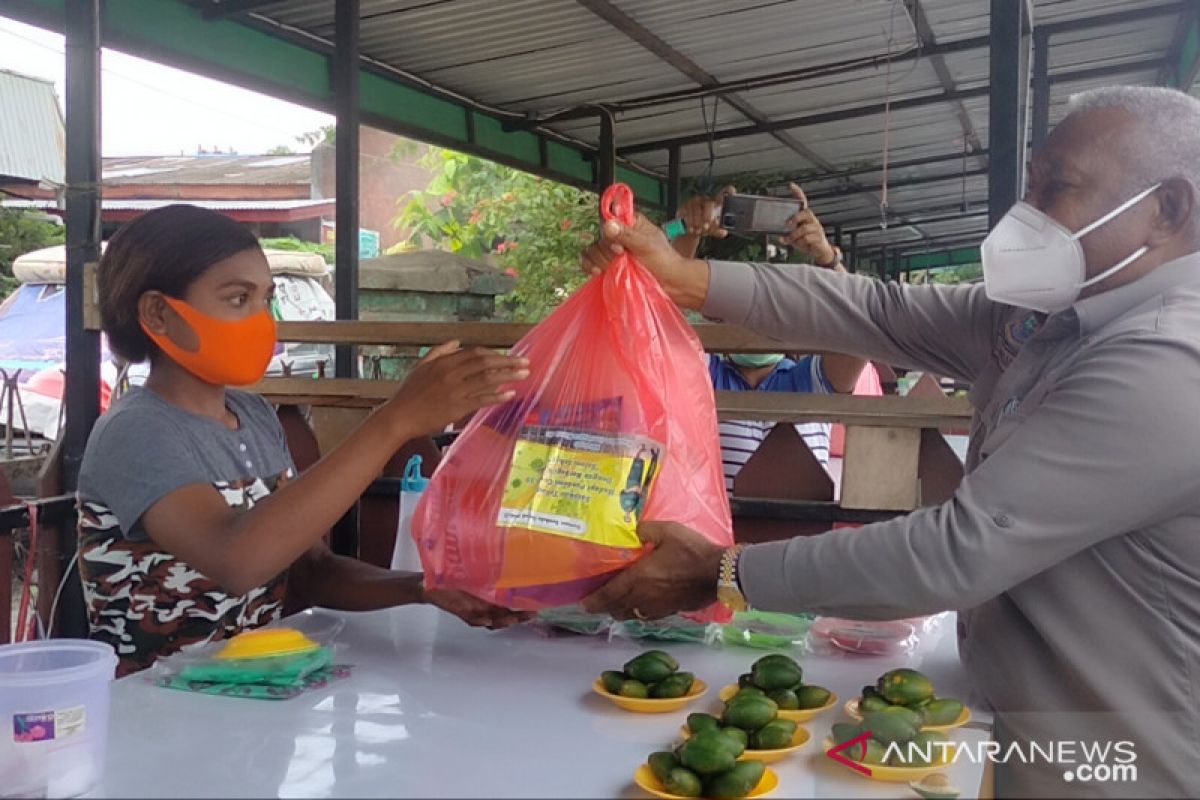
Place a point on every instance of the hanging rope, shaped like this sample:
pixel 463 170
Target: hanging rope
pixel 966 150
pixel 887 118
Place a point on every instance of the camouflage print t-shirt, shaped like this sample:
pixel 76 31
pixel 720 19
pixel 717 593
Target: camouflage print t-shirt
pixel 141 599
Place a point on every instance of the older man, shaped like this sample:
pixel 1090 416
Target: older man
pixel 1072 547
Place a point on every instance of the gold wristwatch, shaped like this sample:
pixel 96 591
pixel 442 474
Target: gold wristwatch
pixel 728 591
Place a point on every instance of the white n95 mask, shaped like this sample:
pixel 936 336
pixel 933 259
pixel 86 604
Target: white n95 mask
pixel 1032 261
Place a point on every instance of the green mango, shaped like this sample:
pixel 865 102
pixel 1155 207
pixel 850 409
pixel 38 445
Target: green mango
pixel 612 681
pixel 737 783
pixel 943 711
pixel 749 713
pixel 708 753
pixel 648 668
pixel 699 722
pixel 812 697
pixel 662 763
pixel 901 686
pixel 786 699
pixel 683 782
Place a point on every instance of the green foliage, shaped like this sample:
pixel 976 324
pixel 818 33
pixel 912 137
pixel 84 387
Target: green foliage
pixel 292 243
pixel 534 228
pixel 281 150
pixel 950 275
pixel 22 232
pixel 325 133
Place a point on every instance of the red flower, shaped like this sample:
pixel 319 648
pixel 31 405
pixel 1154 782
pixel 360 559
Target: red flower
pixel 511 272
pixel 565 225
pixel 448 198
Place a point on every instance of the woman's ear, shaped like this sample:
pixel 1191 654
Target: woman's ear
pixel 152 312
pixel 1176 204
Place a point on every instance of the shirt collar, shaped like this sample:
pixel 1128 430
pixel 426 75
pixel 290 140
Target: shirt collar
pixel 1098 310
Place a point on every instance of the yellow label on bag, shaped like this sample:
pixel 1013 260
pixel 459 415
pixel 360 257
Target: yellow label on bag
pixel 585 486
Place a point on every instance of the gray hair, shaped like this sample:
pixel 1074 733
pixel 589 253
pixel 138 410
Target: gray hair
pixel 1168 145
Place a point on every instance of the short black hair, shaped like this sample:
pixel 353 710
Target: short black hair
pixel 164 250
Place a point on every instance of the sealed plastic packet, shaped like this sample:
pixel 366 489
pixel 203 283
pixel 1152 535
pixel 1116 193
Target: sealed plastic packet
pixel 538 501
pixel 875 637
pixel 273 663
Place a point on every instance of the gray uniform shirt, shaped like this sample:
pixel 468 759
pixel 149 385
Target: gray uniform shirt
pixel 1072 547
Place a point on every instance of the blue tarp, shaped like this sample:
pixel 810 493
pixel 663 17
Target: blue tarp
pixel 33 329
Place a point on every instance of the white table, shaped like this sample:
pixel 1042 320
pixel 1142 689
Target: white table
pixel 436 709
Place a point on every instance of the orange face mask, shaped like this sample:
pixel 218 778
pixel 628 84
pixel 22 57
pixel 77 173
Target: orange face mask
pixel 230 352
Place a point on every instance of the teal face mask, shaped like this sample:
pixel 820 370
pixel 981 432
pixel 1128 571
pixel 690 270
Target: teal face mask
pixel 756 360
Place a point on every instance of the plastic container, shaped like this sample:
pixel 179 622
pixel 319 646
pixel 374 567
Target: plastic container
pixel 412 484
pixel 54 716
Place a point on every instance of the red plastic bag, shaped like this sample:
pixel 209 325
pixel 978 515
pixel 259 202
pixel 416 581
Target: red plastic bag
pixel 536 504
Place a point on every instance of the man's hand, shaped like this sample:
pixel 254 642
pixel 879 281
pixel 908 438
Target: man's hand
pixel 685 280
pixel 807 234
pixel 473 611
pixel 701 214
pixel 679 574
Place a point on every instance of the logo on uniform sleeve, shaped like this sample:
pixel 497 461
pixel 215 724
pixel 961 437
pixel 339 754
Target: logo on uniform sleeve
pixel 1012 336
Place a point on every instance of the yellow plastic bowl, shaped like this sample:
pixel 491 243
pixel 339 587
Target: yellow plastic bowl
pixel 267 643
pixel 644 778
pixel 889 774
pixel 852 711
pixel 800 715
pixel 799 740
pixel 651 705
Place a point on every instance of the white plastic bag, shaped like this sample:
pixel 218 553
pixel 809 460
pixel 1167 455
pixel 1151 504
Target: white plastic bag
pixel 405 556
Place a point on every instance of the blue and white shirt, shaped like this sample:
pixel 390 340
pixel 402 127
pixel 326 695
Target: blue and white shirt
pixel 741 438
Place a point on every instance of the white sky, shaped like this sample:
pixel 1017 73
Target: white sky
pixel 150 109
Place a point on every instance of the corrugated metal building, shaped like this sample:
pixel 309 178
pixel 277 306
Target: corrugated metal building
pixel 32 135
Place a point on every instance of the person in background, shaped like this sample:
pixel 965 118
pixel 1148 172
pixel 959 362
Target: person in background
pixel 770 372
pixel 193 525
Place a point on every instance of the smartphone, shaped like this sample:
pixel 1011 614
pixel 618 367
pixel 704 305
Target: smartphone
pixel 751 213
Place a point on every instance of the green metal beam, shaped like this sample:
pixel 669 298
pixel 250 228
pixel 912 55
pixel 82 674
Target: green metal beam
pixel 947 258
pixel 1183 62
pixel 175 33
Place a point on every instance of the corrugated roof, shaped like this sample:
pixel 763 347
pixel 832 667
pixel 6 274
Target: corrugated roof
pixel 32 136
pixel 544 55
pixel 215 205
pixel 534 57
pixel 208 170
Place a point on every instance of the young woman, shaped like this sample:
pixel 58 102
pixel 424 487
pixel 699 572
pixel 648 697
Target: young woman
pixel 193 522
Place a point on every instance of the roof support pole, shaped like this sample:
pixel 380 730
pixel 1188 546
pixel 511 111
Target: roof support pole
pixel 674 180
pixel 852 253
pixel 606 154
pixel 82 391
pixel 1010 23
pixel 343 539
pixel 1041 88
pixel 346 95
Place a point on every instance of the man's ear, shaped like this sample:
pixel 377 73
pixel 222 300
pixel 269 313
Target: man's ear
pixel 1176 204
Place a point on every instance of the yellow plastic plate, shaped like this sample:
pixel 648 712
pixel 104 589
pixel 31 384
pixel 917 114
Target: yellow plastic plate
pixel 651 705
pixel 644 777
pixel 963 718
pixel 889 774
pixel 799 740
pixel 799 715
pixel 267 643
